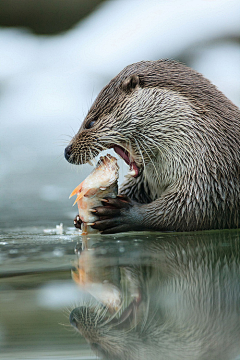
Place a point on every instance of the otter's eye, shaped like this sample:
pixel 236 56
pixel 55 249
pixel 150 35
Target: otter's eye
pixel 90 124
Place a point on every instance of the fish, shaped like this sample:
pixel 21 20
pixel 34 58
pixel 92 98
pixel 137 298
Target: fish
pixel 102 182
pixel 97 280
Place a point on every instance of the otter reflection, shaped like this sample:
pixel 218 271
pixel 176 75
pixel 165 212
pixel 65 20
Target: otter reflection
pixel 180 298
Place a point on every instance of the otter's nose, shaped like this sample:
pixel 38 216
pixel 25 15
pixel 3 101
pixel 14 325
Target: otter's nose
pixel 72 319
pixel 67 152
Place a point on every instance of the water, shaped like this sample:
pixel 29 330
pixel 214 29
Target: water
pixel 135 296
pixel 36 293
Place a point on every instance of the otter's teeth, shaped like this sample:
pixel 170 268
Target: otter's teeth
pixel 131 172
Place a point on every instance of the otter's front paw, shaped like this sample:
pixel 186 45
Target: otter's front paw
pixel 77 222
pixel 113 215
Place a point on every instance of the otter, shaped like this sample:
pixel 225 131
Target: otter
pixel 188 301
pixel 180 137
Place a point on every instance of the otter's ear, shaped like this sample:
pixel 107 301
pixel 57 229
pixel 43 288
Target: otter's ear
pixel 130 83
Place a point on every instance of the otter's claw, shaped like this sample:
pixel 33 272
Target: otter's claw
pixel 112 207
pixel 112 215
pixel 77 222
pixel 111 226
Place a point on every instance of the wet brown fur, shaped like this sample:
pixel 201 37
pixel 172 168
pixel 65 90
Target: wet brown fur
pixel 184 135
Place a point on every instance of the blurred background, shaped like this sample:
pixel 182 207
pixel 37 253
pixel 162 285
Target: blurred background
pixel 56 55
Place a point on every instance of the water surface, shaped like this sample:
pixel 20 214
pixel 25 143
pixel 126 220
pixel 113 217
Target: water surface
pixel 168 295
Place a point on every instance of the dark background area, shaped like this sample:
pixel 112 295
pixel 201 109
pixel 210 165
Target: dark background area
pixel 45 16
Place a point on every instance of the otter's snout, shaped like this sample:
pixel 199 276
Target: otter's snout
pixel 67 152
pixel 72 319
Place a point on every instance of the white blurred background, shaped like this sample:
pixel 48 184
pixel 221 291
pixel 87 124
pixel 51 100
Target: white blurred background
pixel 48 82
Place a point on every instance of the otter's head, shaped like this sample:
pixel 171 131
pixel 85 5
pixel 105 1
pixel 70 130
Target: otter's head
pixel 153 114
pixel 108 335
pixel 111 123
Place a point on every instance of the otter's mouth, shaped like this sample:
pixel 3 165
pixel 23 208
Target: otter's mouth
pixel 124 318
pixel 96 328
pixel 126 156
pixel 127 315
